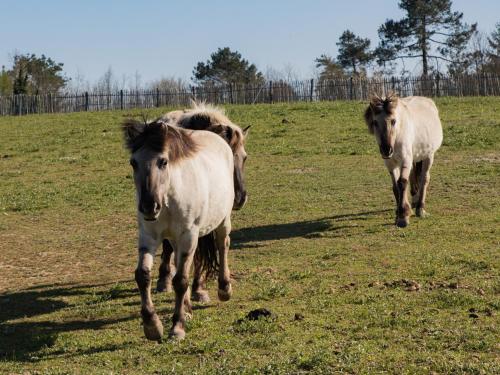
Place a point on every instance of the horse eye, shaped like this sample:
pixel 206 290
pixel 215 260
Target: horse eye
pixel 133 163
pixel 162 163
pixel 393 122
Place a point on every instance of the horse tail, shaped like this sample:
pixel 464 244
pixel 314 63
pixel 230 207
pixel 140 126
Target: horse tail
pixel 206 254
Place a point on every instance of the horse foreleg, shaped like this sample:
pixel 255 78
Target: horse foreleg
pixel 167 268
pixel 425 177
pixel 199 288
pixel 223 241
pixel 184 257
pixel 404 208
pixel 153 329
pixel 394 178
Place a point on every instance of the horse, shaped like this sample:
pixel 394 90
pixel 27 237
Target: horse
pixel 202 116
pixel 408 132
pixel 184 191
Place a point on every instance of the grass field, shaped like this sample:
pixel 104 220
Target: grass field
pixel 315 244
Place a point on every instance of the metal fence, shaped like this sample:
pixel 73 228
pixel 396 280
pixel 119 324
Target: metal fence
pixel 269 92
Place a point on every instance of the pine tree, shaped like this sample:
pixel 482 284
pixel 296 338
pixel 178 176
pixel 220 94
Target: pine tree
pixel 226 66
pixel 354 53
pixel 430 29
pixel 330 69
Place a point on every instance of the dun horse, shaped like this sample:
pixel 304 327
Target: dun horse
pixel 206 117
pixel 185 190
pixel 408 132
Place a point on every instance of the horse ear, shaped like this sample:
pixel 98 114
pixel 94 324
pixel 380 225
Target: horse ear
pixel 391 102
pixel 245 131
pixel 369 118
pixel 131 130
pixel 375 102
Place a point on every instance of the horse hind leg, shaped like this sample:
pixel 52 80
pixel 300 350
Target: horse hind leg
pixel 199 288
pixel 415 173
pixel 424 180
pixel 167 269
pixel 223 241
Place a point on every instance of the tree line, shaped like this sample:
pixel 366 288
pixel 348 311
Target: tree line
pixel 430 32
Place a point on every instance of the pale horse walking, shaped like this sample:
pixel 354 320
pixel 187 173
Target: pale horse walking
pixel 184 190
pixel 408 132
pixel 202 116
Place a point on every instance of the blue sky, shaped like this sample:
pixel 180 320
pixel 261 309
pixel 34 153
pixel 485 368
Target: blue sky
pixel 167 38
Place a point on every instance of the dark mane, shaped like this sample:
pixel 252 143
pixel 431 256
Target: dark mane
pixel 159 137
pixel 387 104
pixel 216 123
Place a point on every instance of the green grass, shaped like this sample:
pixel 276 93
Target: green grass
pixel 316 238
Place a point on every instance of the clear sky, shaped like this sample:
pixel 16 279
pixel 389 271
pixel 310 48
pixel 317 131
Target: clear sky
pixel 167 38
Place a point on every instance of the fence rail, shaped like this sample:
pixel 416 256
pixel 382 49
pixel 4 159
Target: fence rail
pixel 269 92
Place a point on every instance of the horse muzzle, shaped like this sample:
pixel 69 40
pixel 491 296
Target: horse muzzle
pixel 386 152
pixel 240 201
pixel 150 213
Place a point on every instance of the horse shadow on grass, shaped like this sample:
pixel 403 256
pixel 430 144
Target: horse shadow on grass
pixel 24 340
pixel 331 225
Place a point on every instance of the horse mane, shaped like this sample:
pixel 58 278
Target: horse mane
pixel 387 104
pixel 203 116
pixel 159 137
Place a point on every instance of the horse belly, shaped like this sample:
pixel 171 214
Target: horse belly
pixel 427 140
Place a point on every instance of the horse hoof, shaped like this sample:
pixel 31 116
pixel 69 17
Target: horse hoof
pixel 153 329
pixel 225 294
pixel 201 297
pixel 163 286
pixel 422 213
pixel 177 333
pixel 403 222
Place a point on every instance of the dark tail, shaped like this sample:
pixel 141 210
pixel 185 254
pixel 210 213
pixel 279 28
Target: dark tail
pixel 207 254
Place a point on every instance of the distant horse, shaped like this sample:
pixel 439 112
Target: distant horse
pixel 185 190
pixel 206 117
pixel 408 132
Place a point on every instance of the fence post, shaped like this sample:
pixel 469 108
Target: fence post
pixel 193 92
pixel 350 88
pixel 270 91
pixel 157 97
pixel 231 100
pixel 86 101
pixel 437 84
pixel 121 100
pixel 312 90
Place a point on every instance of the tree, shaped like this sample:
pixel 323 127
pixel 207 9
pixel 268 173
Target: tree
pixel 330 69
pixel 226 66
pixel 429 30
pixel 35 75
pixel 354 53
pixel 5 83
pixel 493 65
pixel 20 81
